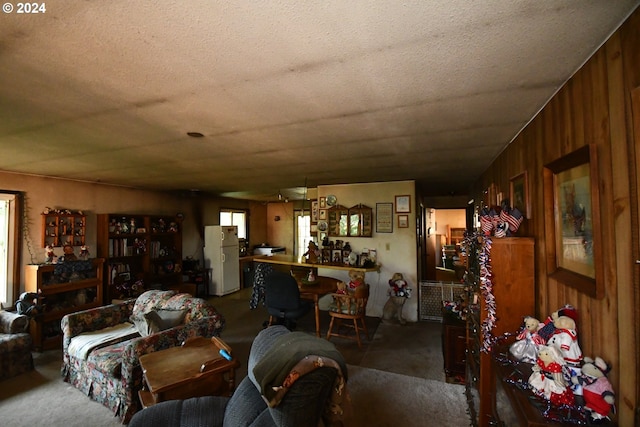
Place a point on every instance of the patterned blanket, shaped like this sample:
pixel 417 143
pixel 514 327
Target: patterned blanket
pixel 81 345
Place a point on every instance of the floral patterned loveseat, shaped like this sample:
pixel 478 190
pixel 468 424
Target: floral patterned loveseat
pixel 111 373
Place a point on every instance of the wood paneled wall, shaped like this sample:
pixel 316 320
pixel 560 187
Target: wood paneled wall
pixel 594 107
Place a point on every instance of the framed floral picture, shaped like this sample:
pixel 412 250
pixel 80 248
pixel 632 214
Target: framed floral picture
pixel 572 221
pixel 519 194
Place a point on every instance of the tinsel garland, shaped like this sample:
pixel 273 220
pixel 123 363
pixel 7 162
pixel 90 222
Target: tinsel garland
pixel 486 288
pixel 481 245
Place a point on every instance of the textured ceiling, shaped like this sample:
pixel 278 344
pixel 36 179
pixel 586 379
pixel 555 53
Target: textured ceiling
pixel 287 93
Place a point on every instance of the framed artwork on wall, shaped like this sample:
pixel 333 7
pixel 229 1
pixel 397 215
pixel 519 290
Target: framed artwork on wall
pixel 519 194
pixel 491 195
pixel 572 221
pixel 323 202
pixel 323 214
pixel 314 211
pixel 403 221
pixel 384 217
pixel 403 204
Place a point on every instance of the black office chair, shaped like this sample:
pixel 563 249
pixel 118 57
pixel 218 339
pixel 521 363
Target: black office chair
pixel 282 298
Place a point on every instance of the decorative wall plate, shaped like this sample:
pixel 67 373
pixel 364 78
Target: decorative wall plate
pixel 322 226
pixel 331 200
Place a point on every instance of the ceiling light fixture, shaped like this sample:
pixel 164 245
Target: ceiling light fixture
pixel 281 197
pixel 195 134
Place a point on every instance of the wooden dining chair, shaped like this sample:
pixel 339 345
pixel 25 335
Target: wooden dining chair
pixel 351 306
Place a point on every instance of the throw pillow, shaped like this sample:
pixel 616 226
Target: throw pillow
pixel 158 320
pixel 141 325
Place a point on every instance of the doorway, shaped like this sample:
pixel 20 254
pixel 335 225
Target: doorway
pixel 445 231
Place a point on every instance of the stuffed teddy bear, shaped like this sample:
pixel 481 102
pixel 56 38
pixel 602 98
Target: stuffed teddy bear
pixel 356 278
pixel 547 379
pixel 68 254
pixel 525 349
pixel 597 392
pixel 342 288
pixel 565 338
pixel 547 328
pixel 313 253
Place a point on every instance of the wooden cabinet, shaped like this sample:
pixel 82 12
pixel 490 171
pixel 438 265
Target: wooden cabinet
pixel 141 252
pixel 455 235
pixel 59 229
pixel 512 286
pixel 454 347
pixel 62 289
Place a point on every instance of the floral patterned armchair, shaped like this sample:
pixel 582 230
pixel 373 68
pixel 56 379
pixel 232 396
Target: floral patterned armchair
pixel 15 345
pixel 111 374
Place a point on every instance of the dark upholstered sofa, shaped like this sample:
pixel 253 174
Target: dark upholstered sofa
pixel 110 373
pixel 294 380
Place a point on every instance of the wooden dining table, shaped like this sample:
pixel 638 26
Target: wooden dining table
pixel 323 286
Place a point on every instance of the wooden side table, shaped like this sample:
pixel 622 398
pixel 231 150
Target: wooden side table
pixel 192 370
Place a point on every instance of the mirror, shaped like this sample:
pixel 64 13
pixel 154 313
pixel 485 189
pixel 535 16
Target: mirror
pixel 338 221
pixel 360 221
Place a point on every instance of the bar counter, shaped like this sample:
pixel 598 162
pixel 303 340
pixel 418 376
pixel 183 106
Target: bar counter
pixel 292 261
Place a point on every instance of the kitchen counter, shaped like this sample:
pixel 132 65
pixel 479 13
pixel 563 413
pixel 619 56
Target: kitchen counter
pixel 290 260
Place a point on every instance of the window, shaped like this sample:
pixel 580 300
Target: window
pixel 8 247
pixel 303 232
pixel 237 218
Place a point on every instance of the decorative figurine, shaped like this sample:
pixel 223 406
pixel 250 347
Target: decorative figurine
pixel 28 304
pixel 50 256
pixel 84 252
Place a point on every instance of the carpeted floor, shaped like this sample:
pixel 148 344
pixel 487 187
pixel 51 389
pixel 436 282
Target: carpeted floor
pixel 385 399
pixel 395 379
pixel 414 349
pixel 378 398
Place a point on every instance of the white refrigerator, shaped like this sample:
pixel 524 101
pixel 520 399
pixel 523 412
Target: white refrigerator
pixel 221 255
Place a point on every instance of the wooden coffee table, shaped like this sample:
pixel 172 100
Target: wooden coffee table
pixel 194 369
